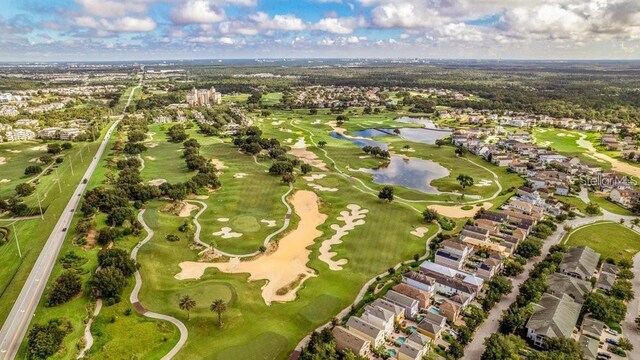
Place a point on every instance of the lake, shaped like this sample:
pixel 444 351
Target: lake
pixel 412 173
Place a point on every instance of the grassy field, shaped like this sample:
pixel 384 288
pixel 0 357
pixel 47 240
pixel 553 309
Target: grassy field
pixel 602 201
pixel 33 233
pixel 114 325
pixel 564 142
pixel 598 236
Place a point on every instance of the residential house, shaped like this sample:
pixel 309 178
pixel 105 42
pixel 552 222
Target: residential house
pixel 589 346
pixel 348 340
pixel 432 325
pixel 409 305
pixel 576 288
pixel 379 317
pixel 451 281
pixel 414 348
pixel 450 309
pixel 423 298
pixel 592 328
pixel 553 317
pixel 605 281
pixel 398 311
pixel 625 197
pixel 580 262
pixel 367 331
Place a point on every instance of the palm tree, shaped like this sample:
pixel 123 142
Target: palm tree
pixel 187 303
pixel 218 306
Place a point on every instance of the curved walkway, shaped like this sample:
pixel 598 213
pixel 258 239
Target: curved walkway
pixel 88 337
pixel 400 200
pixel 285 225
pixel 136 290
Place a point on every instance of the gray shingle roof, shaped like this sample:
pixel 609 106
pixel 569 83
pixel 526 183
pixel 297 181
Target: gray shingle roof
pixel 363 326
pixel 563 284
pixel 580 260
pixel 345 339
pixel 554 316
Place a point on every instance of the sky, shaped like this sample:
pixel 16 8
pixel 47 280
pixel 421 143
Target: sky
pixel 94 30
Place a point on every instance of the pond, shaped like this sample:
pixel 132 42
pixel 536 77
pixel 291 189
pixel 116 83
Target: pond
pixel 426 135
pixel 412 173
pixel 361 142
pixel 426 122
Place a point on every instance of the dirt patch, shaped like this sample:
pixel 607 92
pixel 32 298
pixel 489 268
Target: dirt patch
pixel 314 177
pixel 39 148
pixel 351 218
pixel 282 267
pixel 157 182
pixel 419 231
pixel 152 158
pixel 457 211
pixel 91 240
pixel 322 188
pixel 34 160
pixel 14 151
pixel 4 181
pixel 240 175
pixel 186 209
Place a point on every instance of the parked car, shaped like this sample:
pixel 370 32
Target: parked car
pixel 611 341
pixel 604 355
pixel 612 332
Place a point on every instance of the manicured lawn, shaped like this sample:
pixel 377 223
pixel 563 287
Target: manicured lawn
pixel 608 205
pixel 611 240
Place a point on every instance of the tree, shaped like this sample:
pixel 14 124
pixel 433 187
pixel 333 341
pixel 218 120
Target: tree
pixel 460 151
pixel 44 340
pixel 592 209
pixel 218 306
pixel 107 235
pixel 455 350
pixel 465 180
pixel 24 189
pixel 54 149
pixel 430 215
pixel 529 248
pixel 440 142
pixel 502 347
pixel 66 286
pixel 322 144
pixel 305 168
pixel 386 193
pixel 513 268
pixel 622 289
pixel 120 214
pixel 288 178
pixel 177 134
pixel 32 170
pixel 514 318
pixel 108 283
pixel 186 303
pixel 561 348
pixel 119 259
pixel 603 308
pixel 66 146
pixel 255 97
pixel 625 344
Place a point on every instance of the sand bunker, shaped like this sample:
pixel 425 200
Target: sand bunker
pixel 223 219
pixel 227 233
pixel 152 158
pixel 276 123
pixel 316 122
pixel 616 165
pixel 419 231
pixel 14 151
pixel 157 182
pixel 288 140
pixel 186 209
pixel 300 144
pixel 240 175
pixel 457 212
pixel 285 130
pixel 483 183
pixel 34 160
pixel 218 164
pixel 308 157
pixel 151 145
pixel 352 218
pixel 39 148
pixel 322 188
pixel 4 181
pixel 285 268
pixel 313 177
pixel 270 223
pixel 3 160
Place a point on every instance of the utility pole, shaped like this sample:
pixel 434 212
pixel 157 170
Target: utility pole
pixel 39 205
pixel 15 233
pixel 71 164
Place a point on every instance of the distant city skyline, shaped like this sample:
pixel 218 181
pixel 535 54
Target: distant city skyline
pixel 109 30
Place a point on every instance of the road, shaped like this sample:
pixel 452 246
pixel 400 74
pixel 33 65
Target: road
pixel 24 308
pixel 491 324
pixel 17 323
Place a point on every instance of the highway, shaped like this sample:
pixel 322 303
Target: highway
pixel 17 323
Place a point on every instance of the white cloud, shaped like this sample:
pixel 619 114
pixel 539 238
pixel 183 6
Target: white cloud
pixel 344 25
pixel 125 24
pixel 113 8
pixel 198 11
pixel 286 22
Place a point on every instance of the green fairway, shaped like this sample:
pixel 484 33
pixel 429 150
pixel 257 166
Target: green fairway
pixel 610 239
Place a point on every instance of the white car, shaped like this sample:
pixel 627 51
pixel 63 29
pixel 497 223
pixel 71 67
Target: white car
pixel 612 332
